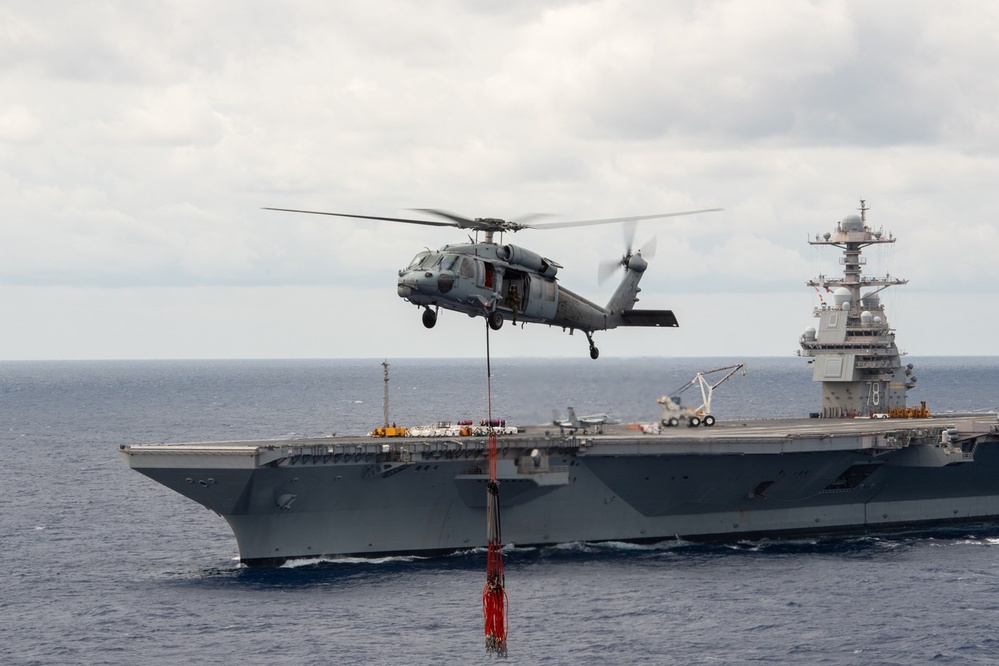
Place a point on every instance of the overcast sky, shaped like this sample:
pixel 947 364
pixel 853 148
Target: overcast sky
pixel 139 141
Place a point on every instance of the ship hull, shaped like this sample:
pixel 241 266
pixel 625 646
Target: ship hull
pixel 331 498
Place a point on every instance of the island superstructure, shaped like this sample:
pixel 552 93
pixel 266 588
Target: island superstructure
pixel 375 496
pixel 856 358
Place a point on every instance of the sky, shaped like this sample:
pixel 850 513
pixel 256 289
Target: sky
pixel 139 142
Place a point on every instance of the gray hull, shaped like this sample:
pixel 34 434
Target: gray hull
pixel 364 497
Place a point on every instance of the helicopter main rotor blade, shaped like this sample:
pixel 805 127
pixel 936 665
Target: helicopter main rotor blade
pixel 460 222
pixel 368 217
pixel 612 220
pixel 486 223
pixel 491 224
pixel 522 221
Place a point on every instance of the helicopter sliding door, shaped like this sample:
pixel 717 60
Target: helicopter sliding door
pixel 541 297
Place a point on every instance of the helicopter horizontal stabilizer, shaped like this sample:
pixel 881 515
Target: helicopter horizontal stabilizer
pixel 649 318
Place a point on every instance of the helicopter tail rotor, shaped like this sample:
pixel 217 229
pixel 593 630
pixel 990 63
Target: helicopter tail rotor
pixel 607 269
pixel 648 250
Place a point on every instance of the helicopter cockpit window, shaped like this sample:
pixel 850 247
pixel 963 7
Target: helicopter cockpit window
pixel 419 259
pixel 449 261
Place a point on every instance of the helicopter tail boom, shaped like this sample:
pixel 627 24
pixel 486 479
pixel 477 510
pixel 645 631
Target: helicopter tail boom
pixel 620 308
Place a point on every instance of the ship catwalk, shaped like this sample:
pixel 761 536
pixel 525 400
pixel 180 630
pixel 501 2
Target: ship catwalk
pixel 857 466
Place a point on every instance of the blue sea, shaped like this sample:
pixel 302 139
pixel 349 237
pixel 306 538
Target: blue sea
pixel 101 565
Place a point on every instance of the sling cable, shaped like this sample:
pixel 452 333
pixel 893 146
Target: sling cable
pixel 494 600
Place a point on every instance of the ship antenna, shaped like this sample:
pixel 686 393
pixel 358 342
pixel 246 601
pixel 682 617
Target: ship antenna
pixel 385 408
pixel 863 211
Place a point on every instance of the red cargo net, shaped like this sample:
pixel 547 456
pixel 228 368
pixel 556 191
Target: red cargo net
pixel 494 593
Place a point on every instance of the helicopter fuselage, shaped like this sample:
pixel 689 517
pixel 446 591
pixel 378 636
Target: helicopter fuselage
pixel 482 278
pixel 509 282
pixel 500 282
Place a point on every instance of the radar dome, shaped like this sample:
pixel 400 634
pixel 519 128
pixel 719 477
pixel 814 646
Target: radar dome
pixel 852 223
pixel 871 301
pixel 809 333
pixel 866 318
pixel 841 295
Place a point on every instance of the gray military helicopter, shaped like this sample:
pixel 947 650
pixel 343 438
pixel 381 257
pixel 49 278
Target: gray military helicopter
pixel 505 281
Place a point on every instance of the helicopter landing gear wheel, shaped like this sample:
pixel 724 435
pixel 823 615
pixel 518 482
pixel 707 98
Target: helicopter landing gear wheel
pixel 429 318
pixel 495 320
pixel 709 420
pixel 594 352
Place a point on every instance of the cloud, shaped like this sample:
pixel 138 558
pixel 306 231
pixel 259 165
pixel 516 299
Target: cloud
pixel 18 125
pixel 139 142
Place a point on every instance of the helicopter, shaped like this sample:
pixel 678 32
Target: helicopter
pixel 500 281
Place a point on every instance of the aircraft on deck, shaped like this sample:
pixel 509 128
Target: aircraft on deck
pixel 590 421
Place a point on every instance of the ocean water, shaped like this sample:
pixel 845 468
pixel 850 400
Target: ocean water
pixel 101 565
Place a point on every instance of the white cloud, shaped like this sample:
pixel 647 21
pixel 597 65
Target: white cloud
pixel 18 125
pixel 174 116
pixel 138 143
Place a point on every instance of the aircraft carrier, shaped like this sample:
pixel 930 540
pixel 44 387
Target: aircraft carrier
pixel 864 460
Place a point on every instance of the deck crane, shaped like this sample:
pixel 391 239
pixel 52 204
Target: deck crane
pixel 673 412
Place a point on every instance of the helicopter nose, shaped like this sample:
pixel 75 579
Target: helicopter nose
pixel 430 283
pixel 410 282
pixel 424 283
